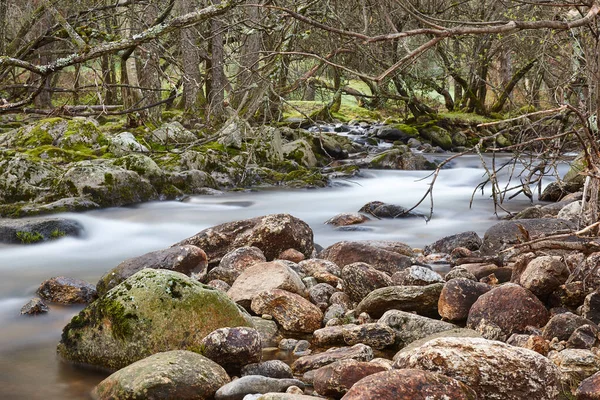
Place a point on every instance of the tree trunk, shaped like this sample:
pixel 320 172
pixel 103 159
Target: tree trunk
pixel 216 96
pixel 193 96
pixel 497 107
pixel 3 21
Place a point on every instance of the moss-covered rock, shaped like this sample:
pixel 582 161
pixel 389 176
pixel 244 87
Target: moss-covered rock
pixel 438 136
pixel 104 183
pixel 76 133
pixel 171 133
pixel 176 374
pixel 150 312
pixel 144 166
pixel 301 152
pixel 400 158
pixel 23 177
pixel 125 143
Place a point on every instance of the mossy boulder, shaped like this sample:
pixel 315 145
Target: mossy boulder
pixel 104 183
pixel 267 146
pixel 125 143
pixel 171 133
pixel 150 312
pixel 438 136
pixel 176 374
pixel 301 152
pixel 75 133
pixel 144 166
pixel 29 231
pixel 24 178
pixel 400 158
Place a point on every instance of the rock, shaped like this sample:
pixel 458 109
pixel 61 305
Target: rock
pixel 531 342
pixel 268 330
pixel 379 209
pixel 358 352
pixel 320 293
pixel 232 348
pixel 302 347
pixel 416 275
pixel 283 396
pixel 34 306
pixel 456 333
pixel 421 299
pixel 125 143
pixel 410 384
pixel 438 136
pixel 176 374
pixel 344 253
pixel 301 152
pixel 65 290
pixel 334 312
pixel 459 272
pixel 480 270
pixel 106 184
pixel 342 299
pixel 68 204
pixel 555 191
pixel 346 219
pixel 400 132
pixel 507 233
pixel 189 260
pixel 562 326
pixel 154 310
pixel 34 230
pixel 292 312
pixel 494 370
pixel 591 307
pixel 292 255
pixel 171 133
pixel 584 337
pixel 575 365
pixel 457 297
pixel 242 258
pixel 249 384
pixel 271 233
pixel 219 285
pixel 272 369
pixel 543 275
pixel 510 307
pixel 589 388
pixel 223 274
pixel 331 335
pixel 469 240
pixel 265 276
pixel 410 327
pixel 570 212
pixel 335 379
pixel 24 178
pixel 375 335
pixel 360 279
pixel 322 270
pixel 569 295
pixel 393 246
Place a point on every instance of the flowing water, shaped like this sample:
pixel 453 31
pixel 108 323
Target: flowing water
pixel 29 367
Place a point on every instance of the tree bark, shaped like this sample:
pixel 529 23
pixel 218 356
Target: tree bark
pixel 216 96
pixel 193 96
pixel 3 22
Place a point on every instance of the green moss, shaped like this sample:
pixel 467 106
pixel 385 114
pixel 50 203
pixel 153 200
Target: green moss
pixel 29 237
pixel 58 155
pixel 407 129
pixel 57 233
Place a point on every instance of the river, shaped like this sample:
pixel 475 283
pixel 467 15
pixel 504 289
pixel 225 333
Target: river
pixel 29 367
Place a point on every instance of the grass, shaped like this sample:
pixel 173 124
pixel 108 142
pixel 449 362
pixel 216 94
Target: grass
pixel 29 237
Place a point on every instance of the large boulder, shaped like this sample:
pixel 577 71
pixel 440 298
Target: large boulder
pixel 152 311
pixel 106 184
pixel 62 133
pixel 34 230
pixel 292 312
pixel 410 327
pixel 409 384
pixel 510 307
pixel 271 233
pixel 301 152
pixel 24 178
pixel 494 370
pixel 360 279
pixel 344 253
pixel 189 260
pixel 421 299
pixel 589 389
pixel 171 133
pixel 508 233
pixel 562 326
pixel 457 297
pixel 265 276
pixel 177 374
pixel 125 143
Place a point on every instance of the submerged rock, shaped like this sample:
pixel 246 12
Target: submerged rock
pixel 34 230
pixel 176 374
pixel 151 311
pixel 65 290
